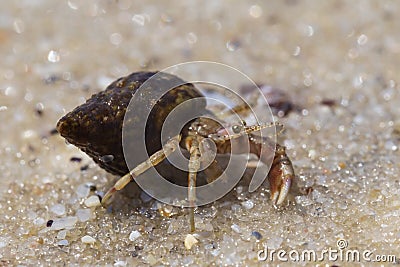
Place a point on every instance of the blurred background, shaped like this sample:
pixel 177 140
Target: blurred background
pixel 337 61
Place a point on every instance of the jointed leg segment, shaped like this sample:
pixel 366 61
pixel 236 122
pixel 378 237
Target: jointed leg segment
pixel 153 160
pixel 194 166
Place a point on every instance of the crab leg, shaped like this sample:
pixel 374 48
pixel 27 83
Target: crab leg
pixel 194 166
pixel 281 173
pixel 280 176
pixel 153 160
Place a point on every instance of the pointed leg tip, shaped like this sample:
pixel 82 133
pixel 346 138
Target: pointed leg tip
pixel 191 220
pixel 107 199
pixel 278 197
pixel 274 197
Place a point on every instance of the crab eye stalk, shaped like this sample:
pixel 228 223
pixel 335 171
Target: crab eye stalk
pixel 237 128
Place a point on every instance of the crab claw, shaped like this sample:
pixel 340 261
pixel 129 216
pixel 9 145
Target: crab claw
pixel 280 176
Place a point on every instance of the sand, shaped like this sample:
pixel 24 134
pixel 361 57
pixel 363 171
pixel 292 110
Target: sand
pixel 338 61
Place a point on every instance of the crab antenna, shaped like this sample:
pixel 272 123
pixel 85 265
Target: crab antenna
pixel 244 130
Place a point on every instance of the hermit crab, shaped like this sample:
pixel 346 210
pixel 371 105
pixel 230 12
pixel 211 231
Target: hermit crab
pixel 96 127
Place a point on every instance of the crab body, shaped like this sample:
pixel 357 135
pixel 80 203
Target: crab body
pixel 96 127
